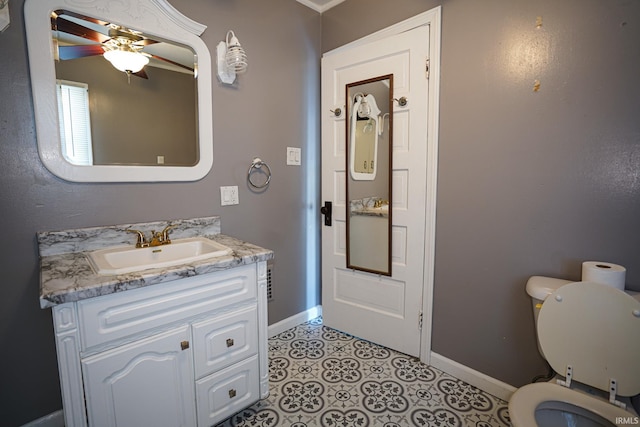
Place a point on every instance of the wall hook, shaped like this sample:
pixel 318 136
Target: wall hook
pixel 402 101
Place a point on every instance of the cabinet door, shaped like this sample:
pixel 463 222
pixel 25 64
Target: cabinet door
pixel 145 383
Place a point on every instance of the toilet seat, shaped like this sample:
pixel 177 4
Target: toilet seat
pixel 525 401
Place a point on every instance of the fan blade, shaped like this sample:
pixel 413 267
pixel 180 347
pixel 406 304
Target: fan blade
pixel 142 74
pixel 80 51
pixel 79 16
pixel 72 28
pixel 170 62
pixel 145 42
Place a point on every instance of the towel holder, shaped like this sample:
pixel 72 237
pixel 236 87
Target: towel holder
pixel 257 164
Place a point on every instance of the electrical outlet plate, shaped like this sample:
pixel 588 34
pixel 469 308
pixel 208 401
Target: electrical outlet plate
pixel 293 156
pixel 229 195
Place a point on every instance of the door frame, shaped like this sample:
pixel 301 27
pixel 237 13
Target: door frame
pixel 433 19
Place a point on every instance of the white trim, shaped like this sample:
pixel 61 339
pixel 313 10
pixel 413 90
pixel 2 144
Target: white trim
pixel 320 8
pixel 477 379
pixel 295 320
pixel 179 19
pixel 54 419
pixel 433 19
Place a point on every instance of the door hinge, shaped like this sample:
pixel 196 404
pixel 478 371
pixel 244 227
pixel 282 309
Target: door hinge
pixel 420 320
pixel 426 68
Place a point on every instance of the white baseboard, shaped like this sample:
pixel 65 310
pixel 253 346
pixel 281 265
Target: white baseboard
pixel 295 320
pixel 477 379
pixel 54 419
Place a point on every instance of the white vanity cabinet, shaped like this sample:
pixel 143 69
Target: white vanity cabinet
pixel 189 352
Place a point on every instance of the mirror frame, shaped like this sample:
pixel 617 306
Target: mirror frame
pixel 348 154
pixel 157 18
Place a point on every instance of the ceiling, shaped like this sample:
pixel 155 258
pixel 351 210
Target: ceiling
pixel 320 5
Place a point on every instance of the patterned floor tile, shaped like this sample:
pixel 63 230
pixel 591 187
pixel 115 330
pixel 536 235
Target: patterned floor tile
pixel 320 377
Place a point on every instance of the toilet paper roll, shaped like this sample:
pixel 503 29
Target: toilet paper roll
pixel 605 273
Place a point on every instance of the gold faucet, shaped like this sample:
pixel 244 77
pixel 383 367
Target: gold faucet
pixel 157 239
pixel 380 203
pixel 142 241
pixel 165 234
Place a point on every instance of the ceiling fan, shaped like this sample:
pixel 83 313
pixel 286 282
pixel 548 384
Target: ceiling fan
pixel 121 46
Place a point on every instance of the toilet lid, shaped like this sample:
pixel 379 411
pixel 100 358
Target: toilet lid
pixel 595 329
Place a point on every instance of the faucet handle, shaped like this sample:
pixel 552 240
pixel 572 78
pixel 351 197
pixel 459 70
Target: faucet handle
pixel 165 234
pixel 142 241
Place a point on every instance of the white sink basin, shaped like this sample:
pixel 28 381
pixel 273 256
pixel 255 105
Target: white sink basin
pixel 121 260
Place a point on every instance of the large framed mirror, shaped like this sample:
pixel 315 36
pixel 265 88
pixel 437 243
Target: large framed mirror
pixel 99 119
pixel 369 164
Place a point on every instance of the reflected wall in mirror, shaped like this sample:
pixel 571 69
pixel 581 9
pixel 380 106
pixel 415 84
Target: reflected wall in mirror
pixel 100 120
pixel 369 161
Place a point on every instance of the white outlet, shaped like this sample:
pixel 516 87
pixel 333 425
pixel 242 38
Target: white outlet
pixel 229 195
pixel 293 156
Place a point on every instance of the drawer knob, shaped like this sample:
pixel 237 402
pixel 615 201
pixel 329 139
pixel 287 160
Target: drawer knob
pixel 232 393
pixel 229 342
pixel 184 345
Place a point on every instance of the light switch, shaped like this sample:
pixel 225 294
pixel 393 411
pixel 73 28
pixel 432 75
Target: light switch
pixel 293 156
pixel 229 195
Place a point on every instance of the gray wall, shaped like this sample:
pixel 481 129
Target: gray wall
pixel 529 183
pixel 133 121
pixel 274 105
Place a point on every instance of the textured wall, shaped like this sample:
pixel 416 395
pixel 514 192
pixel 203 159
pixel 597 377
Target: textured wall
pixel 530 183
pixel 275 105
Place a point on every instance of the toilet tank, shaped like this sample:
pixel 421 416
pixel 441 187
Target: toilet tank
pixel 539 288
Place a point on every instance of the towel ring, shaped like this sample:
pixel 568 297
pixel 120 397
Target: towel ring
pixel 257 164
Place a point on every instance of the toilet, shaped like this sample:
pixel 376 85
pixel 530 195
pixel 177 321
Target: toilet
pixel 590 335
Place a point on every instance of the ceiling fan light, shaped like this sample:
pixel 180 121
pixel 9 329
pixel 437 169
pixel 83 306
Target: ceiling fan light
pixel 126 61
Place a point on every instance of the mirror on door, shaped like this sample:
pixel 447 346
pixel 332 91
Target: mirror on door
pixel 369 159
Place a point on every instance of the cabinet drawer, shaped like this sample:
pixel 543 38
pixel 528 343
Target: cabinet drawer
pixel 117 316
pixel 224 340
pixel 222 394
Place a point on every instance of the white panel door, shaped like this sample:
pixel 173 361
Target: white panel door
pixel 146 383
pixel 384 310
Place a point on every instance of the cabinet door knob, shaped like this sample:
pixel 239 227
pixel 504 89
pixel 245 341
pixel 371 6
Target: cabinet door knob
pixel 184 345
pixel 229 342
pixel 232 393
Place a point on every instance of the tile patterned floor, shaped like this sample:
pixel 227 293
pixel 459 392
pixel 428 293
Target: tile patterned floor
pixel 322 377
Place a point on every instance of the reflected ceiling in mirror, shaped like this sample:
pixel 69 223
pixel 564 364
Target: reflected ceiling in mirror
pixel 145 122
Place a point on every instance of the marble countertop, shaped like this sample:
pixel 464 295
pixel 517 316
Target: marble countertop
pixel 367 207
pixel 67 276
